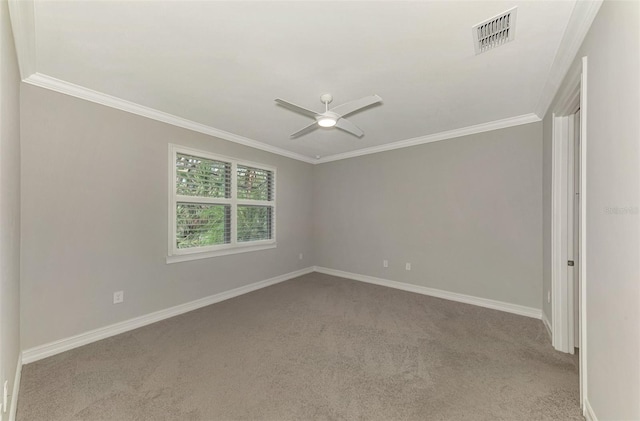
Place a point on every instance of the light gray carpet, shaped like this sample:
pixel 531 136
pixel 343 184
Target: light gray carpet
pixel 313 348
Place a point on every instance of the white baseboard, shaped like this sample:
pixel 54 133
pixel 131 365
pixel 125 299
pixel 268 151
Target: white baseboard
pixel 16 389
pixel 588 411
pixel 453 296
pixel 37 353
pixel 547 324
pixel 43 351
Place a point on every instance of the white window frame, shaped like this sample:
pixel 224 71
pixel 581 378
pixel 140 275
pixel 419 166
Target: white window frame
pixel 181 255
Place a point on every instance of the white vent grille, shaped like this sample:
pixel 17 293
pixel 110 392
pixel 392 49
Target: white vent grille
pixel 495 31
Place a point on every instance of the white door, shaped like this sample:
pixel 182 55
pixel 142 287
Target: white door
pixel 573 231
pixel 576 233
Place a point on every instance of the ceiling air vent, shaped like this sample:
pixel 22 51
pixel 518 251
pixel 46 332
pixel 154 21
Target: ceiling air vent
pixel 495 31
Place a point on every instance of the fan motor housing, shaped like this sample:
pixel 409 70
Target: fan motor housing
pixel 326 98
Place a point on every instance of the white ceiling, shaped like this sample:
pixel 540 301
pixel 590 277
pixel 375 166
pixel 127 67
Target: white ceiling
pixel 222 64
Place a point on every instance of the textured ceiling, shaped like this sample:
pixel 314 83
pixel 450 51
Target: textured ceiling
pixel 222 64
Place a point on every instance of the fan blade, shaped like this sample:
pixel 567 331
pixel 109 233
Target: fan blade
pixel 296 108
pixel 353 106
pixel 307 129
pixel 349 127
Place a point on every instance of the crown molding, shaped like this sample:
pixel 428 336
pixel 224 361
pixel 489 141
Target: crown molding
pixel 450 134
pixel 48 82
pixel 57 85
pixel 567 99
pixel 23 24
pixel 23 21
pixel 584 12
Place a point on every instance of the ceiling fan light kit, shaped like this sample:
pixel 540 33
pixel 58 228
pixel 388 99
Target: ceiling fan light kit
pixel 331 117
pixel 327 122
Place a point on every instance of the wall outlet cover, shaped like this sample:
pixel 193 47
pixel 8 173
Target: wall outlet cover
pixel 118 297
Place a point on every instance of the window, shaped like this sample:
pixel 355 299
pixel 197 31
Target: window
pixel 218 205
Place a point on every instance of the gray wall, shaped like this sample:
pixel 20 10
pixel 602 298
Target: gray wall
pixel 465 212
pixel 471 215
pixel 612 47
pixel 94 218
pixel 9 202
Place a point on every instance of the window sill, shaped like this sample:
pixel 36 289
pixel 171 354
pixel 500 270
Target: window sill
pixel 208 254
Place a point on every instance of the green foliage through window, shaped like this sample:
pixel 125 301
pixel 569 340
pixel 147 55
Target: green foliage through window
pixel 218 202
pixel 202 177
pixel 254 223
pixel 254 183
pixel 200 225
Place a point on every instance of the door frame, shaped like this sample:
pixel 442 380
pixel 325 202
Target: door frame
pixel 572 97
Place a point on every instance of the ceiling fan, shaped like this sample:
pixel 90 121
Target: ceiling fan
pixel 333 117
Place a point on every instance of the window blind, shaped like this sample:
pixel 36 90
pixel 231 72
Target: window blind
pixel 218 204
pixel 254 183
pixel 255 213
pixel 202 177
pixel 200 225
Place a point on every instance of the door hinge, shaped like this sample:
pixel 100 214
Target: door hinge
pixel 570 262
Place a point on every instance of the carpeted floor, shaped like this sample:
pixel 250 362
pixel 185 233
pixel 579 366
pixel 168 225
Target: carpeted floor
pixel 313 348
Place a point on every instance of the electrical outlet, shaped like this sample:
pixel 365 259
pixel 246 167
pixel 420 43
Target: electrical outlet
pixel 385 263
pixel 118 297
pixel 407 266
pixel 548 296
pixel 300 256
